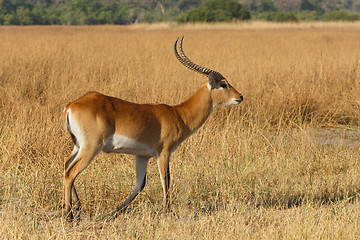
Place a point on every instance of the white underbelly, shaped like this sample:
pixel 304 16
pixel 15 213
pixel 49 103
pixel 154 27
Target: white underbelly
pixel 121 144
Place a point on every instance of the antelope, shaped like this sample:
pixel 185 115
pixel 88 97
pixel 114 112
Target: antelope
pixel 102 123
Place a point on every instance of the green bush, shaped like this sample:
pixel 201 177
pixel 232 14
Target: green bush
pixel 216 11
pixel 285 17
pixel 263 16
pixel 341 16
pixel 10 19
pixel 306 15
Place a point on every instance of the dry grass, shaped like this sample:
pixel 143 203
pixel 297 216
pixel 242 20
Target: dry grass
pixel 259 170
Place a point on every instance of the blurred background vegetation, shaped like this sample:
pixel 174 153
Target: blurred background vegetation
pixel 93 12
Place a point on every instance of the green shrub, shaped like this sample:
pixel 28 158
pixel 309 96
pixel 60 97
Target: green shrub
pixel 285 17
pixel 216 11
pixel 264 16
pixel 306 15
pixel 341 16
pixel 10 19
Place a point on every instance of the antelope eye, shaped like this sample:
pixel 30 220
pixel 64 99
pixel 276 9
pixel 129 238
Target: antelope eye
pixel 223 85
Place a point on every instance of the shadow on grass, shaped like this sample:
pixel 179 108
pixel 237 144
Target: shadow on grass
pixel 285 202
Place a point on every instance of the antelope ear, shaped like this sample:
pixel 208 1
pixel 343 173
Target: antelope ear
pixel 212 81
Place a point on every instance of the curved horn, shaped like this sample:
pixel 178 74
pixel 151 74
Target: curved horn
pixel 183 59
pixel 177 54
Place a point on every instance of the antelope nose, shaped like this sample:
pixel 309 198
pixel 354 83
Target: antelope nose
pixel 239 100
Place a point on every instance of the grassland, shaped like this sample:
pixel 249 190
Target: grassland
pixel 285 164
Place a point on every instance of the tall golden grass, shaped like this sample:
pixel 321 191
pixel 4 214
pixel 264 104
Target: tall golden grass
pixel 284 164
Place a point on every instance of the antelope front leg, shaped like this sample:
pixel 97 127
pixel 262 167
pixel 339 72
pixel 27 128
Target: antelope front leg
pixel 164 170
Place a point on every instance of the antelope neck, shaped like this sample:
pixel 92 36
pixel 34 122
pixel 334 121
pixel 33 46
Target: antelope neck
pixel 196 109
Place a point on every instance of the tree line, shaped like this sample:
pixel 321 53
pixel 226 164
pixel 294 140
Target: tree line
pixel 92 12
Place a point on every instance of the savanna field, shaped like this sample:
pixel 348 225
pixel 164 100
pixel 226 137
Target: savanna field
pixel 284 164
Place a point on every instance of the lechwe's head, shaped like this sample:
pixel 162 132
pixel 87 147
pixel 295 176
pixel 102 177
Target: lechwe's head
pixel 222 92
